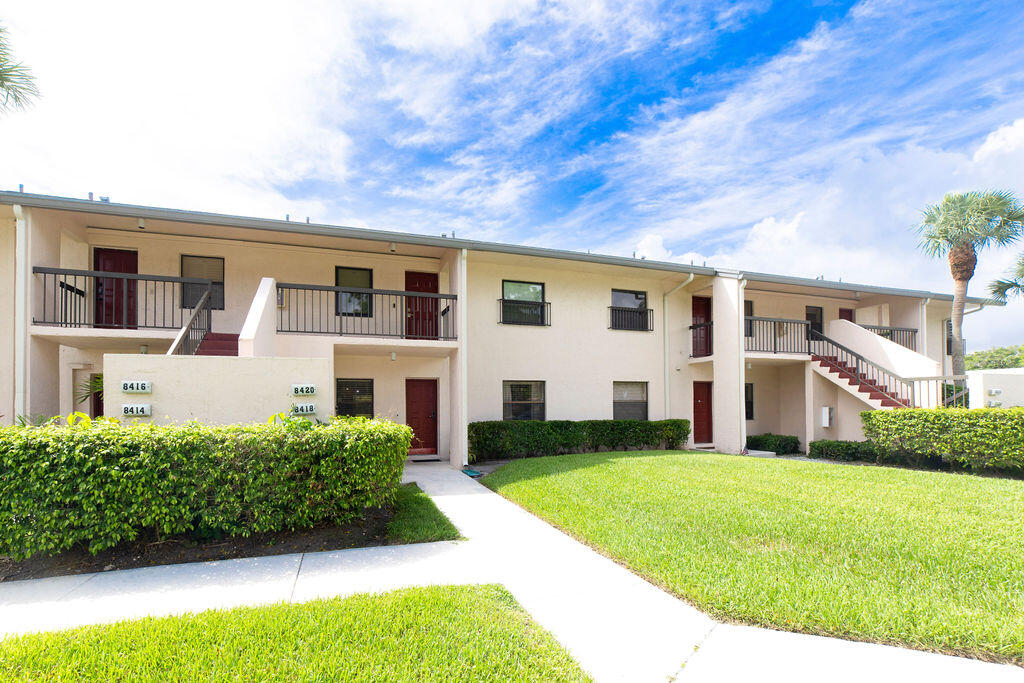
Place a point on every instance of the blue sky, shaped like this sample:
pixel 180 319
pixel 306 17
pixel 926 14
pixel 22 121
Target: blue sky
pixel 792 137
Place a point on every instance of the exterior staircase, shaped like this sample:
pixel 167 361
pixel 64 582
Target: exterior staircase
pixel 840 371
pixel 218 344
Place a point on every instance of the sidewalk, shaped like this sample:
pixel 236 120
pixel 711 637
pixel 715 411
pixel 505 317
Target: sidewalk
pixel 618 626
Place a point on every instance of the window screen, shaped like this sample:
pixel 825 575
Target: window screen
pixel 355 397
pixel 523 400
pixel 207 268
pixel 629 400
pixel 355 304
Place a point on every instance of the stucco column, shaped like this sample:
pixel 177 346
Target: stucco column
pixel 21 311
pixel 458 449
pixel 728 420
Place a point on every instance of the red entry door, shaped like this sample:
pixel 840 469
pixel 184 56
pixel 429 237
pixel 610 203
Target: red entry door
pixel 420 311
pixel 421 414
pixel 701 335
pixel 116 299
pixel 846 314
pixel 702 431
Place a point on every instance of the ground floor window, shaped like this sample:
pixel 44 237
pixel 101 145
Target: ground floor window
pixel 355 397
pixel 629 400
pixel 748 400
pixel 523 400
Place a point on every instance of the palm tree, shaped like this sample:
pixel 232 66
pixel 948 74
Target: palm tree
pixel 1012 285
pixel 959 227
pixel 17 86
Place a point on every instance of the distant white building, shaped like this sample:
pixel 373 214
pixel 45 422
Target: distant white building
pixel 1002 388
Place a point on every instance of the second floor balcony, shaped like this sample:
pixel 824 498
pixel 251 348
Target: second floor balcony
pixel 364 312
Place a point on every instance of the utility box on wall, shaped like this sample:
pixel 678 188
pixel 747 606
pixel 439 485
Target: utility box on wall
pixel 827 415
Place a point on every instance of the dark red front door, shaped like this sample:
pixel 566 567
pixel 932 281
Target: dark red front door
pixel 420 311
pixel 846 314
pixel 421 414
pixel 702 432
pixel 116 299
pixel 701 330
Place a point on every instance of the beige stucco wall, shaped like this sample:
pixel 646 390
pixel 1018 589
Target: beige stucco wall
pixel 727 360
pixel 1009 382
pixel 779 405
pixel 846 424
pixel 389 385
pixel 888 354
pixel 577 356
pixel 217 389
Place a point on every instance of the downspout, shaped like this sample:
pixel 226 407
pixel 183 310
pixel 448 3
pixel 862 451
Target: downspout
pixel 21 279
pixel 664 332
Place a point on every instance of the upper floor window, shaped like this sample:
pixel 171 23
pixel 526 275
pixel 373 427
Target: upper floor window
pixel 629 400
pixel 522 400
pixel 629 311
pixel 208 268
pixel 354 304
pixel 522 303
pixel 748 312
pixel 748 400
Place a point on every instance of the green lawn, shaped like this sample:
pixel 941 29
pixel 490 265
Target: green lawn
pixel 452 633
pixel 417 519
pixel 926 559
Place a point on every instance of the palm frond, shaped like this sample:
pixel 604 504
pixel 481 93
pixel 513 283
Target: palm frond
pixel 977 218
pixel 1012 285
pixel 17 85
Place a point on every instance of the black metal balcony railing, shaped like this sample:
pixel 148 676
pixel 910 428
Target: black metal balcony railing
pixel 775 335
pixel 904 336
pixel 516 312
pixel 702 343
pixel 355 311
pixel 91 298
pixel 638 319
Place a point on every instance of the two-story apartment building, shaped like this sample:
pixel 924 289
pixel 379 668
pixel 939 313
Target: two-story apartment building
pixel 190 315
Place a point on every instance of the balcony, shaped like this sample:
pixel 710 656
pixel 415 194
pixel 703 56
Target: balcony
pixel 359 312
pixel 775 335
pixel 127 301
pixel 625 318
pixel 904 336
pixel 517 312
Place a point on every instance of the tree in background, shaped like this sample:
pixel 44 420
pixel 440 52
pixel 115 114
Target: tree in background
pixel 1001 357
pixel 17 86
pixel 958 228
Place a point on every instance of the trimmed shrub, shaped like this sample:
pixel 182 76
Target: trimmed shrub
pixel 981 438
pixel 847 451
pixel 104 483
pixel 776 443
pixel 501 439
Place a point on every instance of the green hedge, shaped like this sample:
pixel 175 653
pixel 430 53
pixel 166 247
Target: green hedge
pixel 779 444
pixel 843 450
pixel 104 483
pixel 528 438
pixel 982 438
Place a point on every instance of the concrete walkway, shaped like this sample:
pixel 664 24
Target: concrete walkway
pixel 617 626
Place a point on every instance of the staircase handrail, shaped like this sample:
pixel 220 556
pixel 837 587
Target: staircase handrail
pixel 186 332
pixel 900 382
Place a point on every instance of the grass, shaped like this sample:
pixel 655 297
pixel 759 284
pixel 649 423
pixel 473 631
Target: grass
pixel 450 633
pixel 417 519
pixel 925 559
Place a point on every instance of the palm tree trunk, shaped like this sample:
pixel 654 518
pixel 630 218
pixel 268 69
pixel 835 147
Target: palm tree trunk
pixel 957 323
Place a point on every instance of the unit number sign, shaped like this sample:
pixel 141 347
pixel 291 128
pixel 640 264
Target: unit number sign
pixel 304 409
pixel 303 389
pixel 136 386
pixel 136 409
